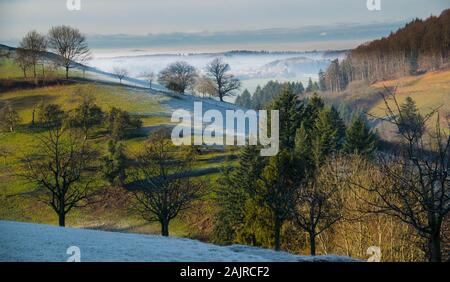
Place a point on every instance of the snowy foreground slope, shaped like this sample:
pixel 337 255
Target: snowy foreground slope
pixel 37 242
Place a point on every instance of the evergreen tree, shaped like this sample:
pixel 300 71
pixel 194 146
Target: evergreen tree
pixel 310 86
pixel 114 163
pixel 313 106
pixel 327 136
pixel 322 83
pixel 410 120
pixel 234 198
pixel 359 139
pixel 244 100
pixel 290 111
pixel 277 190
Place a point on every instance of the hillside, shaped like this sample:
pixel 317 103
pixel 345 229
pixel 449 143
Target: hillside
pixel 37 242
pixel 153 106
pixel 420 46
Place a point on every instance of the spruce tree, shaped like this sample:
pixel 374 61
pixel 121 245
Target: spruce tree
pixel 327 136
pixel 290 111
pixel 359 139
pixel 410 120
pixel 114 164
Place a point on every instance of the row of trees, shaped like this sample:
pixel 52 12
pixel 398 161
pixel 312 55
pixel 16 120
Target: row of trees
pixel 330 182
pixel 417 47
pixel 218 82
pixel 263 96
pixel 67 42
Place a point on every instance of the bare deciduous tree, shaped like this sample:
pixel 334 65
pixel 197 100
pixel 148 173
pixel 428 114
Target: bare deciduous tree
pixel 36 44
pixel 120 73
pixel 149 77
pixel 22 59
pixel 70 44
pixel 225 83
pixel 163 186
pixel 9 118
pixel 318 205
pixel 419 193
pixel 178 76
pixel 59 169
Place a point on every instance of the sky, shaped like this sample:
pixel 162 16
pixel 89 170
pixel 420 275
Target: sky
pixel 207 17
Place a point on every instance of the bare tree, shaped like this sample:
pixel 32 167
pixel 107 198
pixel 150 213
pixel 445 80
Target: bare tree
pixel 163 186
pixel 9 118
pixel 70 44
pixel 149 76
pixel 318 205
pixel 36 44
pixel 419 193
pixel 60 170
pixel 225 83
pixel 178 76
pixel 120 73
pixel 22 59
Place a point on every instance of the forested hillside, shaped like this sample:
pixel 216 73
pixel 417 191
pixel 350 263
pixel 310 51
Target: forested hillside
pixel 420 46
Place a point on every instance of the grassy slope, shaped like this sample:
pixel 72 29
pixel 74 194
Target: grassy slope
pixel 15 200
pixel 429 90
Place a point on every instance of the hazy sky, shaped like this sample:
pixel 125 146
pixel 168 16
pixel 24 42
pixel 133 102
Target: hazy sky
pixel 138 17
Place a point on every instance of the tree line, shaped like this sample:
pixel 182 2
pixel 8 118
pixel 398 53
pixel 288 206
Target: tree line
pixel 420 46
pixel 263 96
pixel 68 43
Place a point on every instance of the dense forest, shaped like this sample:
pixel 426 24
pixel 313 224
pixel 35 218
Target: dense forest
pixel 420 46
pixel 270 91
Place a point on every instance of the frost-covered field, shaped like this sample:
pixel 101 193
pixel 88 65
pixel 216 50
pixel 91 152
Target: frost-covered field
pixel 38 242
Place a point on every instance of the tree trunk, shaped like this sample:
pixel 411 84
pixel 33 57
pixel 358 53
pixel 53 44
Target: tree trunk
pixel 434 246
pixel 67 72
pixel 32 117
pixel 62 212
pixel 277 231
pixel 62 219
pixel 34 73
pixel 312 243
pixel 165 228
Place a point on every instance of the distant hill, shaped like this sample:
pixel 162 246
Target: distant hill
pixel 418 47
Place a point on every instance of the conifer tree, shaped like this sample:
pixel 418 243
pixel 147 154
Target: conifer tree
pixel 359 139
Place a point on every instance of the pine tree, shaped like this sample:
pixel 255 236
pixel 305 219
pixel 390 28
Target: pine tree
pixel 290 111
pixel 114 164
pixel 410 120
pixel 359 139
pixel 327 136
pixel 277 190
pixel 322 83
pixel 310 86
pixel 234 197
pixel 244 100
pixel 312 109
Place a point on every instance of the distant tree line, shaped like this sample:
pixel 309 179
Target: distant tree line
pixel 422 45
pixel 263 96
